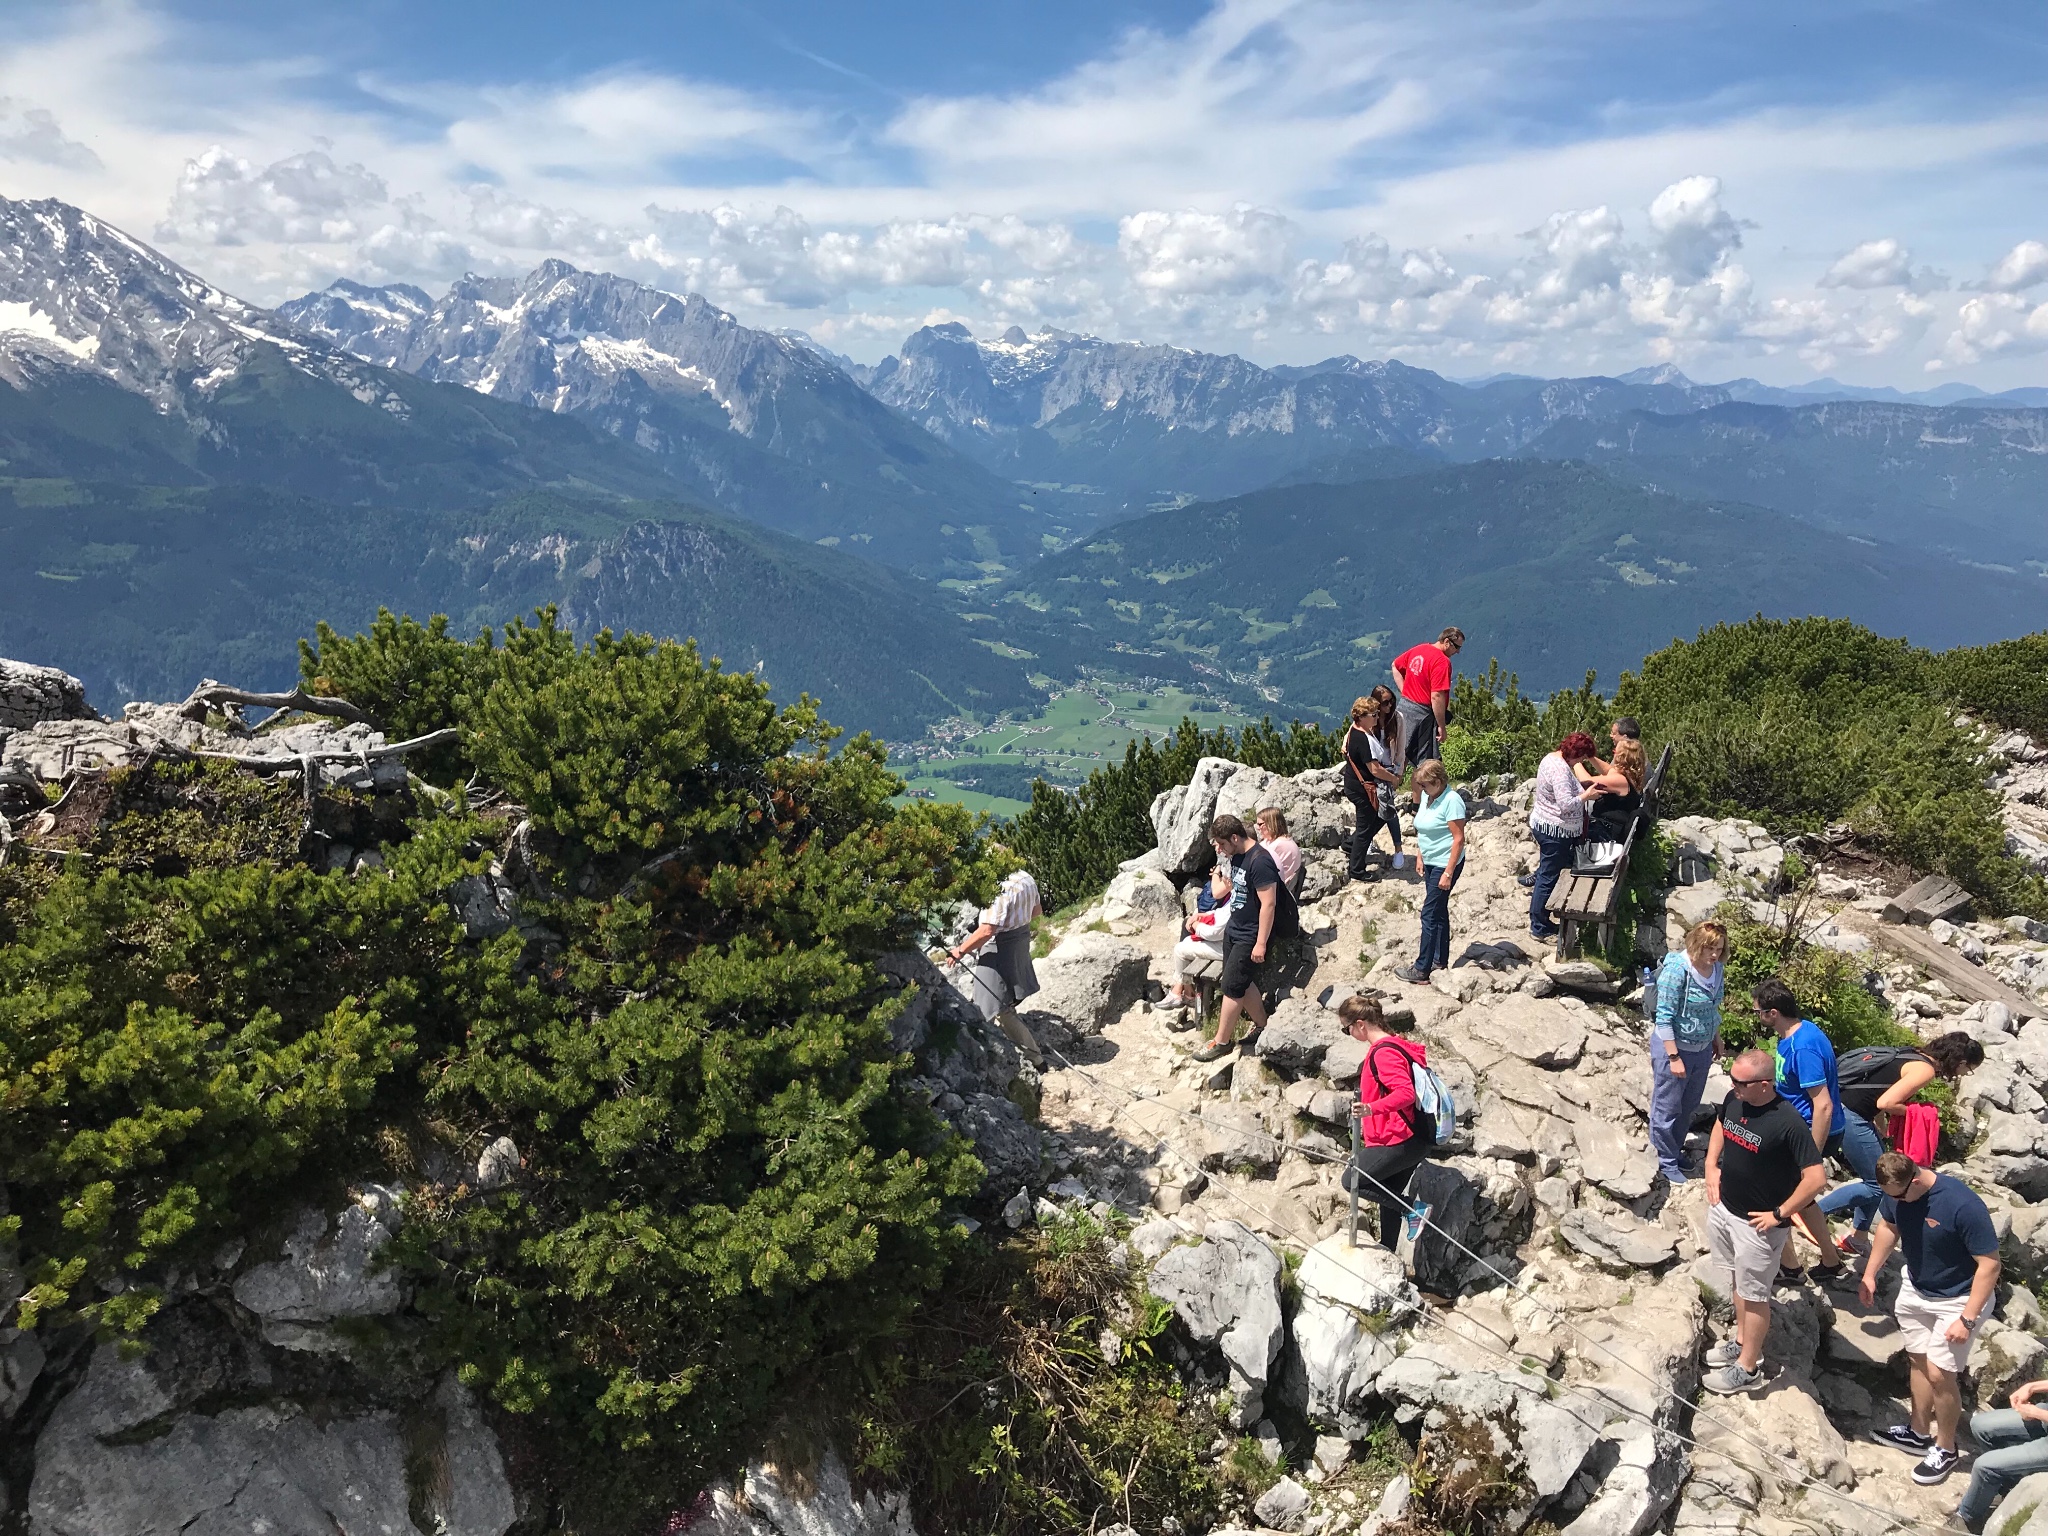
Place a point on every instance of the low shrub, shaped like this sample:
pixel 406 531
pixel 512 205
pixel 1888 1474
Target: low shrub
pixel 998 1412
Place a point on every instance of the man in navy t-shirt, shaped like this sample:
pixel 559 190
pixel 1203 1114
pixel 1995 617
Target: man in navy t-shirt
pixel 1808 1081
pixel 1951 1251
pixel 1256 894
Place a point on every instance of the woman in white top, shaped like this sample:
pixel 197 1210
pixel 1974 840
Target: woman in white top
pixel 1557 820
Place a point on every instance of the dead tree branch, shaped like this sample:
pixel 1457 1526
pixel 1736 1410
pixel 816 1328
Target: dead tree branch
pixel 211 694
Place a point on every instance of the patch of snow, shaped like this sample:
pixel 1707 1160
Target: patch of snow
pixel 21 319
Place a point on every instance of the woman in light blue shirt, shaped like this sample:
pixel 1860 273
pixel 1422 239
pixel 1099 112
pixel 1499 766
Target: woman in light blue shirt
pixel 1440 841
pixel 1684 1040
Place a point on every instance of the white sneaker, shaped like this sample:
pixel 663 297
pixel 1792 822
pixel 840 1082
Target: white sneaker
pixel 1727 1352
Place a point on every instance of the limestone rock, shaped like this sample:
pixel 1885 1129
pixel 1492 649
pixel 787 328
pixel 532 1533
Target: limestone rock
pixel 1618 1240
pixel 1297 1035
pixel 1344 1330
pixel 499 1164
pixel 31 694
pixel 2005 1358
pixel 1283 1506
pixel 1318 815
pixel 326 1275
pixel 1141 898
pixel 2024 1509
pixel 1640 1471
pixel 1181 817
pixel 1089 980
pixel 1616 1162
pixel 1538 1030
pixel 1226 1292
pixel 1234 1140
pixel 776 1500
pixel 266 1469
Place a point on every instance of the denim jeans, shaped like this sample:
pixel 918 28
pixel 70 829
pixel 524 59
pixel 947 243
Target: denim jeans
pixel 1554 857
pixel 2009 1447
pixel 1436 918
pixel 1861 1148
pixel 1672 1102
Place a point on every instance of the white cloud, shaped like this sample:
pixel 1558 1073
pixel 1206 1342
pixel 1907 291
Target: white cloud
pixel 1694 232
pixel 1284 177
pixel 1190 252
pixel 32 135
pixel 222 199
pixel 2020 269
pixel 1989 324
pixel 1873 264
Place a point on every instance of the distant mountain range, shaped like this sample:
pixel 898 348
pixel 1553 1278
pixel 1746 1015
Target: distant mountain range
pixel 760 424
pixel 1146 426
pixel 190 481
pixel 1307 592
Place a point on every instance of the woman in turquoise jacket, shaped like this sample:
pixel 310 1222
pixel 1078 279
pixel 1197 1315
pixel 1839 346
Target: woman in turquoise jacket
pixel 1684 1040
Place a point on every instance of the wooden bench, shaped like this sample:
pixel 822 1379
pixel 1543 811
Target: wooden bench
pixel 1581 901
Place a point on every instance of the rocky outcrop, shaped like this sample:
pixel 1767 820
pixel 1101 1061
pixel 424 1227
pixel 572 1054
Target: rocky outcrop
pixel 246 1415
pixel 29 695
pixel 1088 981
pixel 1226 1292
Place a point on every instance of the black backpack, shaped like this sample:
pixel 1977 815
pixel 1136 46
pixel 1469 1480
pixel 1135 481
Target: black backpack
pixel 1874 1064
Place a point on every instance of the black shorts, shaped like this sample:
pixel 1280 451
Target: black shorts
pixel 1240 971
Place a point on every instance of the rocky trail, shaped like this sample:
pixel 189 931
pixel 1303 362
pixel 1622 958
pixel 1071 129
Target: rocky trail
pixel 1557 1316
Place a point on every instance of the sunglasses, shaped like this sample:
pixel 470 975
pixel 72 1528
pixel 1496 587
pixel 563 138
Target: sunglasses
pixel 1747 1082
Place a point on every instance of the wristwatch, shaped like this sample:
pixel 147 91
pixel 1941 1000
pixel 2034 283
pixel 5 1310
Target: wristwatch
pixel 1780 1217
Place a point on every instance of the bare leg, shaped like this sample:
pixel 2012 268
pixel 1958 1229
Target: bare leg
pixel 1226 1020
pixel 1752 1326
pixel 1947 1396
pixel 1923 1393
pixel 1020 1036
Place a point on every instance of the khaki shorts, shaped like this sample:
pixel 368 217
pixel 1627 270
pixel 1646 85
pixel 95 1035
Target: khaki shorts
pixel 1752 1255
pixel 1923 1327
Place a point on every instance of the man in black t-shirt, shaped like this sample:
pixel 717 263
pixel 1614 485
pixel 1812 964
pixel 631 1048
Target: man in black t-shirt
pixel 1761 1166
pixel 1254 905
pixel 1944 1229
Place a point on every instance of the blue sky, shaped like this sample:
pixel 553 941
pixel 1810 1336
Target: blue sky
pixel 1547 185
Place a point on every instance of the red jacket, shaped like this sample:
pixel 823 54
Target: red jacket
pixel 1386 1089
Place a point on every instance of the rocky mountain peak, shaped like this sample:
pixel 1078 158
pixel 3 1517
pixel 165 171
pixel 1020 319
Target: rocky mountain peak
pixel 78 293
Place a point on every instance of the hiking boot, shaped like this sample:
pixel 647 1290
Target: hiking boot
pixel 1731 1379
pixel 1936 1466
pixel 1412 976
pixel 1903 1437
pixel 1214 1051
pixel 1526 882
pixel 1837 1277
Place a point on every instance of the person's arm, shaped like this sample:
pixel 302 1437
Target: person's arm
pixel 1811 1182
pixel 1269 900
pixel 1440 705
pixel 973 941
pixel 1712 1171
pixel 1882 1240
pixel 1983 1286
pixel 2023 1401
pixel 1608 783
pixel 1823 1112
pixel 1913 1076
pixel 1397 1089
pixel 1457 853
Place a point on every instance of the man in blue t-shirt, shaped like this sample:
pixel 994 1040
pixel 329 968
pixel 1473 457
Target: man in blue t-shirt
pixel 1951 1251
pixel 1807 1080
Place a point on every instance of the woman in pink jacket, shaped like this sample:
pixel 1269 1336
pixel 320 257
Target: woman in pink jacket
pixel 1395 1133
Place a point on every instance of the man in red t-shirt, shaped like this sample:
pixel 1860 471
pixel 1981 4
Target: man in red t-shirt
pixel 1424 673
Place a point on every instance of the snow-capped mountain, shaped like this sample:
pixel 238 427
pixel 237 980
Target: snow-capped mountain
pixel 1139 418
pixel 766 425
pixel 78 294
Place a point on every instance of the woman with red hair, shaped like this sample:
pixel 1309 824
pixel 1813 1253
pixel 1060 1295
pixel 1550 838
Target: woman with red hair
pixel 1557 820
